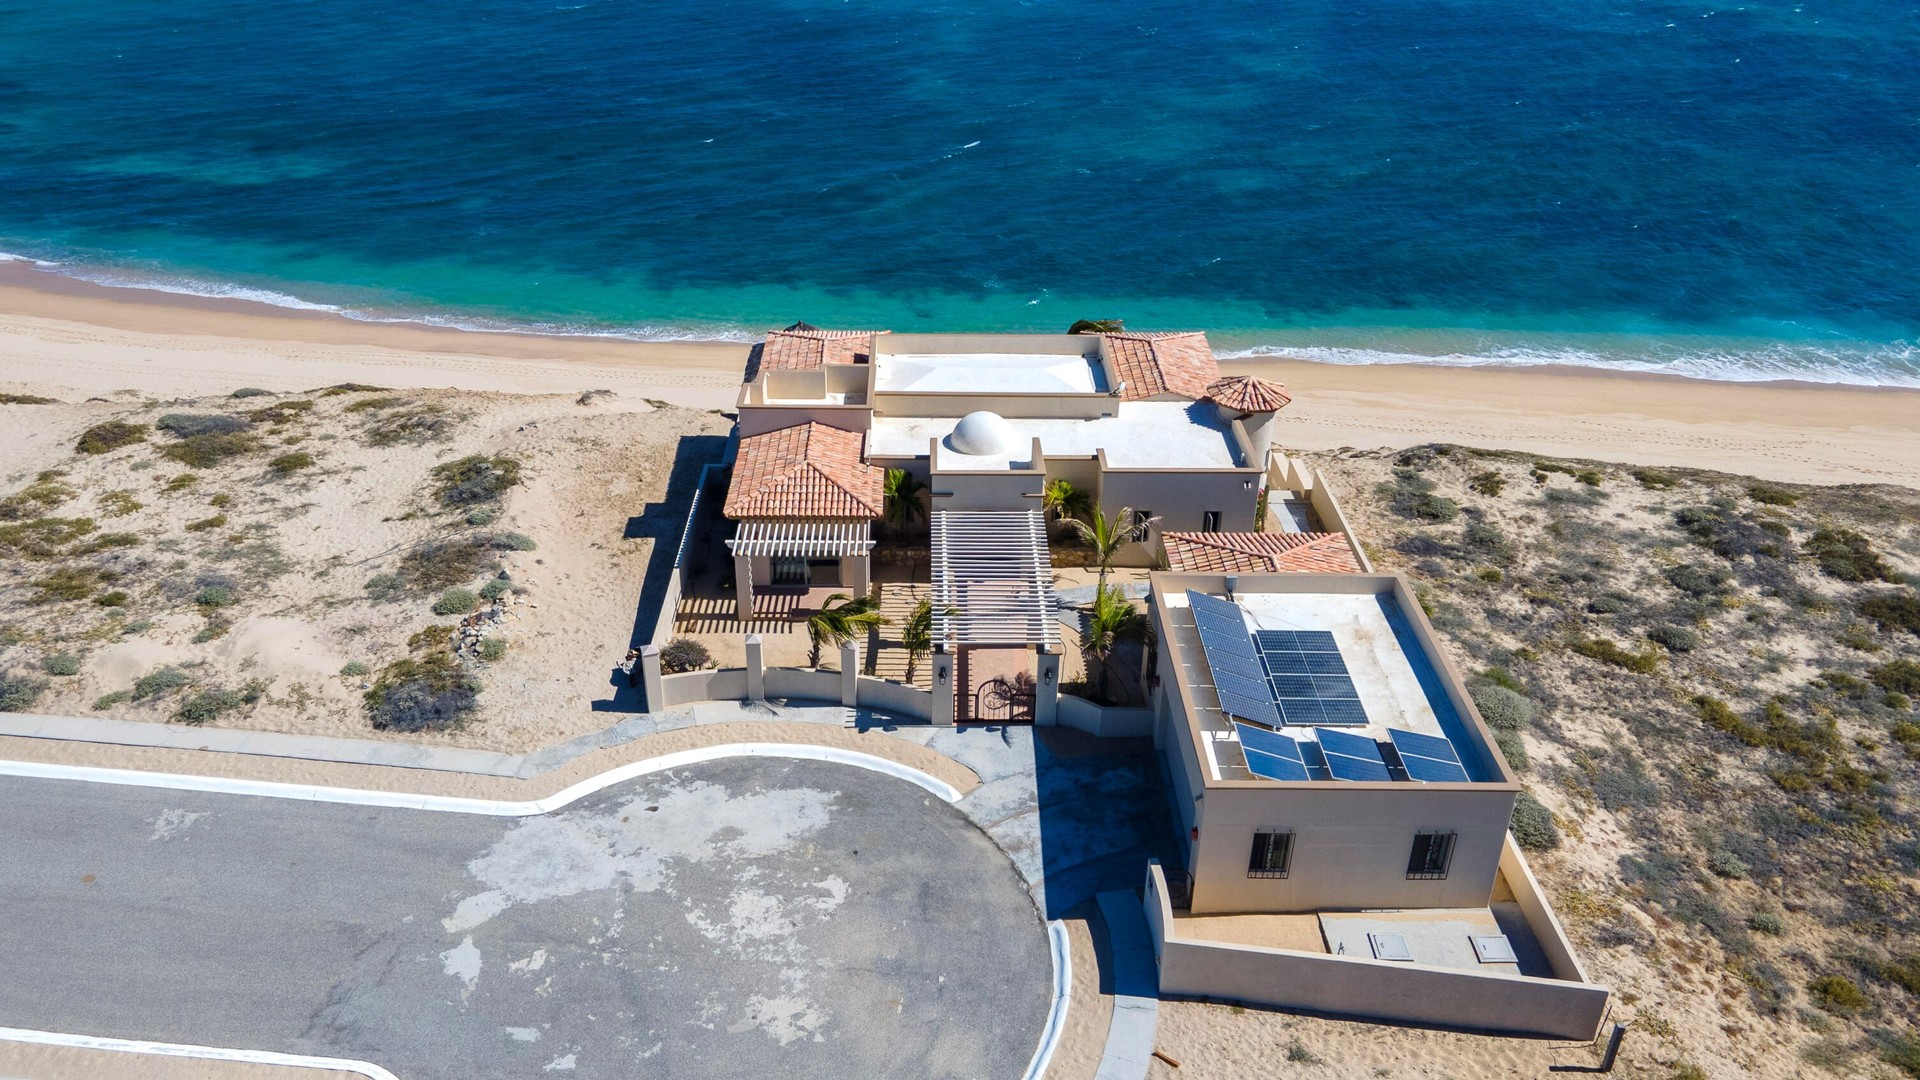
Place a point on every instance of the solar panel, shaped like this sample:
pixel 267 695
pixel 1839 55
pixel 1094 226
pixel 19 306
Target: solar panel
pixel 1238 676
pixel 1287 663
pixel 1300 712
pixel 1274 639
pixel 1324 663
pixel 1315 641
pixel 1333 686
pixel 1428 758
pixel 1433 770
pixel 1344 711
pixel 1357 770
pixel 1344 742
pixel 1269 767
pixel 1414 742
pixel 1353 757
pixel 1267 742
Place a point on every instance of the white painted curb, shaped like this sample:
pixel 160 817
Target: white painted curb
pixel 1062 998
pixel 488 807
pixel 209 1053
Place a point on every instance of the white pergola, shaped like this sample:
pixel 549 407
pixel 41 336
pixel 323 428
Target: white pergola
pixel 803 539
pixel 991 570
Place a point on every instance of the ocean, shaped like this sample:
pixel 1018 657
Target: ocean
pixel 1730 192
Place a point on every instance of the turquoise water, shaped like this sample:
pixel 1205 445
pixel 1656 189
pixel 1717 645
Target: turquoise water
pixel 1728 192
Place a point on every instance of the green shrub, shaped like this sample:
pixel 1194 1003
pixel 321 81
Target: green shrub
pixel 495 589
pixel 112 435
pixel 385 587
pixel 214 596
pixel 1897 677
pixel 1298 1053
pixel 1532 826
pixel 206 451
pixel 37 498
pixel 42 538
pixel 208 705
pixel 512 541
pixel 1847 556
pixel 217 521
pixel 1837 994
pixel 1589 477
pixel 1412 496
pixel 19 692
pixel 215 629
pixel 387 401
pixel 1900 1051
pixel 1501 708
pixel 1654 478
pixel 281 412
pixel 27 399
pixel 355 668
pixel 1676 638
pixel 1611 603
pixel 188 425
pixel 108 701
pixel 351 388
pixel 447 562
pixel 1727 865
pixel 116 598
pixel 220 501
pixel 67 583
pixel 1514 749
pixel 288 464
pixel 483 515
pixel 1771 495
pixel 1893 610
pixel 475 479
pixel 1767 922
pixel 1500 676
pixel 492 649
pixel 1902 971
pixel 1488 483
pixel 684 654
pixel 1687 1070
pixel 250 391
pixel 455 602
pixel 1698 582
pixel 180 483
pixel 428 693
pixel 159 681
pixel 104 541
pixel 61 663
pixel 119 503
pixel 413 427
pixel 1607 652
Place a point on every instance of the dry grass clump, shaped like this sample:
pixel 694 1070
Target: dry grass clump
pixel 441 563
pixel 112 435
pixel 430 692
pixel 474 479
pixel 27 399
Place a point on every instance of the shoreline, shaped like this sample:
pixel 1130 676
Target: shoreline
pixel 74 339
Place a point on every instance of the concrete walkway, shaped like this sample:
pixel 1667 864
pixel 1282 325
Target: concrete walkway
pixel 1136 989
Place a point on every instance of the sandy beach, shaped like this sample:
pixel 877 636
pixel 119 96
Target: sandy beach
pixel 74 340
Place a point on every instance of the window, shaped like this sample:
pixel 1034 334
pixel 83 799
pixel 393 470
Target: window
pixel 1432 851
pixel 1142 521
pixel 1210 521
pixel 789 572
pixel 1272 853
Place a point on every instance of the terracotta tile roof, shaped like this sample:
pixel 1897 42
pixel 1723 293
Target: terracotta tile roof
pixel 1254 553
pixel 1163 363
pixel 805 471
pixel 809 349
pixel 1248 393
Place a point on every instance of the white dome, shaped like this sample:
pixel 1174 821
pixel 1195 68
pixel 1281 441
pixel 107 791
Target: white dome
pixel 981 434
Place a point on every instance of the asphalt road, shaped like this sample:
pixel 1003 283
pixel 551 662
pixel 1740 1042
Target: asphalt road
pixel 750 917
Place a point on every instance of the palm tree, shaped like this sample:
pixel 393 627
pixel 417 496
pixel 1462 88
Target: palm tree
pixel 917 635
pixel 1060 499
pixel 904 505
pixel 1107 535
pixel 840 620
pixel 1096 326
pixel 1111 620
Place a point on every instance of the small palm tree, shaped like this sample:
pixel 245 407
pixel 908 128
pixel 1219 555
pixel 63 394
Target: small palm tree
pixel 917 635
pixel 840 620
pixel 905 506
pixel 1096 326
pixel 1107 535
pixel 1111 620
pixel 1060 499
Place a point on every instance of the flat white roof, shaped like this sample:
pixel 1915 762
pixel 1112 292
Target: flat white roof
pixel 987 373
pixel 1141 435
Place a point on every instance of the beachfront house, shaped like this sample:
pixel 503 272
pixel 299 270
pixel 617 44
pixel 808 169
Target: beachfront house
pixel 1343 815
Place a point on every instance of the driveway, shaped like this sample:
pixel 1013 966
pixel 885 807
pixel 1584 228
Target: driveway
pixel 747 917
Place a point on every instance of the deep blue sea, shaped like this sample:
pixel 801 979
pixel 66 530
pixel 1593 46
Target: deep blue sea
pixel 1726 191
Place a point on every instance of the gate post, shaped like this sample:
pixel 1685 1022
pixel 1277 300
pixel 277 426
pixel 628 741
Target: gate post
pixel 849 674
pixel 943 688
pixel 756 670
pixel 1046 695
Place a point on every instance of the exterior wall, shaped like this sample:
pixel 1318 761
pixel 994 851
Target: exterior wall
pixel 725 684
pixel 894 697
pixel 1110 723
pixel 1364 987
pixel 1002 490
pixel 1052 344
pixel 1012 406
pixel 1184 778
pixel 759 419
pixel 803 683
pixel 1350 846
pixel 1180 500
pixel 1547 931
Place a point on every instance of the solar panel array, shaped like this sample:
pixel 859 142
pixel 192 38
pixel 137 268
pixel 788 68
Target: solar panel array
pixel 1428 758
pixel 1352 757
pixel 1237 674
pixel 1271 755
pixel 1309 679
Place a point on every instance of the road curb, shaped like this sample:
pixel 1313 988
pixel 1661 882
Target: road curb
pixel 184 1050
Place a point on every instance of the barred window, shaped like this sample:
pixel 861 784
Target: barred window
pixel 1432 852
pixel 1272 854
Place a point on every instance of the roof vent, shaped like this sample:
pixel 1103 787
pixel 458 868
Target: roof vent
pixel 981 434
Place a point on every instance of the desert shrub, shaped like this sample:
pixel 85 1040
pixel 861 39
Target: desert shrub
pixel 159 681
pixel 491 649
pixel 1767 922
pixel 61 663
pixel 1654 478
pixel 1623 784
pixel 483 515
pixel 1837 994
pixel 412 427
pixel 1698 582
pixel 105 541
pixel 1503 709
pixel 108 701
pixel 1298 1053
pixel 1847 556
pixel 1900 1051
pixel 288 464
pixel 1611 603
pixel 208 705
pixel 1487 541
pixel 1892 610
pixel 1589 477
pixel 350 388
pixel 355 668
pixel 455 602
pixel 495 589
pixel 67 583
pixel 1771 495
pixel 1730 534
pixel 385 401
pixel 214 596
pixel 221 501
pixel 1412 496
pixel 1488 483
pixel 474 479
pixel 1902 971
pixel 19 692
pixel 447 562
pixel 385 587
pixel 250 391
pixel 1500 676
pixel 119 503
pixel 187 425
pixel 1727 865
pixel 36 499
pixel 684 654
pixel 215 628
pixel 215 522
pixel 281 412
pixel 42 538
pixel 180 483
pixel 1532 826
pixel 1687 1070
pixel 427 693
pixel 1676 638
pixel 112 435
pixel 27 399
pixel 1608 652
pixel 1897 677
pixel 206 451
pixel 512 541
pixel 116 598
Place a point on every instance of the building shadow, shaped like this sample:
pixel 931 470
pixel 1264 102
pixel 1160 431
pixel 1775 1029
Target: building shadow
pixel 1102 814
pixel 664 522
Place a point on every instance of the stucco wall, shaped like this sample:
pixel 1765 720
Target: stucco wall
pixel 1109 723
pixel 1364 987
pixel 898 698
pixel 723 684
pixel 758 419
pixel 988 491
pixel 804 683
